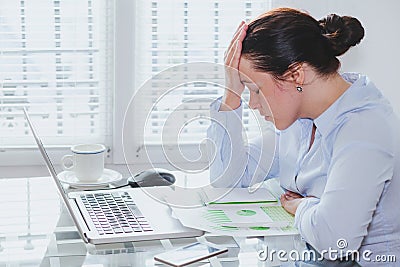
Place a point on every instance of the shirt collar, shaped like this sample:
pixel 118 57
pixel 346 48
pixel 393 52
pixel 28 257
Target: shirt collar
pixel 360 94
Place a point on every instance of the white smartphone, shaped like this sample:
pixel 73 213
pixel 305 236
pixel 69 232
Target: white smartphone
pixel 188 254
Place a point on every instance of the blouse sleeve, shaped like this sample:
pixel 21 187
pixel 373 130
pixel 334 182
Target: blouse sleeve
pixel 360 167
pixel 234 162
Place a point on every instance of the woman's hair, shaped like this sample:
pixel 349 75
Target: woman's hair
pixel 284 37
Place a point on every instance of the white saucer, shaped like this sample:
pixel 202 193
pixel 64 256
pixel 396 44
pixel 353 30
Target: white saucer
pixel 108 176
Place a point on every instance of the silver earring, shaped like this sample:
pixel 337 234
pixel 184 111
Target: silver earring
pixel 299 89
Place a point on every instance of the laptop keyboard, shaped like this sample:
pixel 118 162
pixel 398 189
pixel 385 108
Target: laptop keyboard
pixel 115 213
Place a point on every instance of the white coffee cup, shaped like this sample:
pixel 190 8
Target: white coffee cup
pixel 87 161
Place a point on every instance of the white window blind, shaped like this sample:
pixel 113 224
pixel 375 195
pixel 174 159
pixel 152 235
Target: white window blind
pixel 56 59
pixel 175 32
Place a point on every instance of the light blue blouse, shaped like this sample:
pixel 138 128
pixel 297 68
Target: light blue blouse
pixel 352 169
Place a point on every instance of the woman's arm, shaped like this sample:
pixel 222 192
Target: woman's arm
pixel 233 161
pixel 356 179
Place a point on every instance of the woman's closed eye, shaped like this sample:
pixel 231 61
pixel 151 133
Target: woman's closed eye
pixel 252 87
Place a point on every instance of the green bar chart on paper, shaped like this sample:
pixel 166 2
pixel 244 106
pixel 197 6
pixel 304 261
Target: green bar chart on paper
pixel 222 219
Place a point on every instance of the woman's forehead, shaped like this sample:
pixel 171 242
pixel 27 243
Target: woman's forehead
pixel 245 70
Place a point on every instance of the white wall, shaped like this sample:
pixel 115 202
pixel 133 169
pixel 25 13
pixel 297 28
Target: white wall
pixel 378 53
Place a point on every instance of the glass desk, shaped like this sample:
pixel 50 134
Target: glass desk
pixel 36 230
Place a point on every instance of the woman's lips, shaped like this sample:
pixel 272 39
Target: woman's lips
pixel 268 118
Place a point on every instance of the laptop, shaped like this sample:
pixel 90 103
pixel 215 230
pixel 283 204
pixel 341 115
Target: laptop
pixel 117 215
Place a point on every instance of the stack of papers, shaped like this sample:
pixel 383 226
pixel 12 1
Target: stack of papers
pixel 237 196
pixel 237 212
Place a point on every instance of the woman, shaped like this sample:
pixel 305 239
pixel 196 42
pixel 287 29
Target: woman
pixel 337 152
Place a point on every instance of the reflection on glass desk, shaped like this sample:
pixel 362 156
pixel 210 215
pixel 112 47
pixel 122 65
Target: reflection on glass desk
pixel 36 230
pixel 29 211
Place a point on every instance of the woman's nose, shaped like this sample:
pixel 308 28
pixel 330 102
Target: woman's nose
pixel 253 102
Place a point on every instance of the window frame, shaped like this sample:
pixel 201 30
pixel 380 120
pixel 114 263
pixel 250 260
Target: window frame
pixel 124 70
pixel 124 90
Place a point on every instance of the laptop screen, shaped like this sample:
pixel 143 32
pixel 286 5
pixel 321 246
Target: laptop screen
pixel 47 160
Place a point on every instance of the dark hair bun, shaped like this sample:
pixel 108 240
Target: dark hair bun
pixel 342 32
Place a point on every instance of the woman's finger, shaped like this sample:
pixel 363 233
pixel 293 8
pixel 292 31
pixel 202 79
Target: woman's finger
pixel 235 53
pixel 239 35
pixel 235 35
pixel 293 194
pixel 283 200
pixel 235 49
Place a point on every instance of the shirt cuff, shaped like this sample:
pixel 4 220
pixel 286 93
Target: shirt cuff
pixel 229 119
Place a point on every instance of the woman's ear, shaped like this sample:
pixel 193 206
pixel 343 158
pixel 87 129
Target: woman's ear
pixel 295 74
